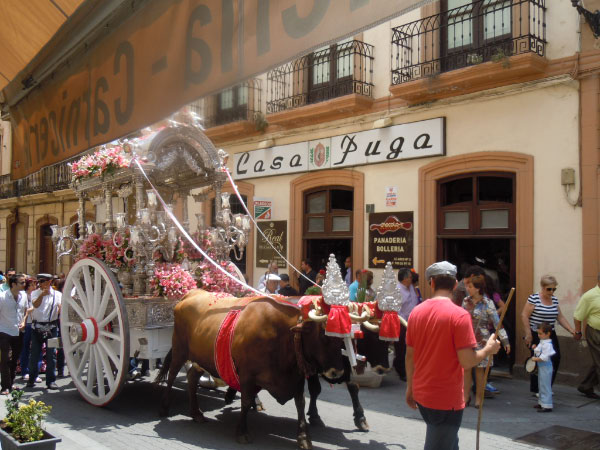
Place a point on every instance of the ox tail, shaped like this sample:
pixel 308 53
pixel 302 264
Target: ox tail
pixel 164 370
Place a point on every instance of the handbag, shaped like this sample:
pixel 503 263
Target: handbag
pixel 44 330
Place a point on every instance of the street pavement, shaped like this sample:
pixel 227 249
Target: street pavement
pixel 131 421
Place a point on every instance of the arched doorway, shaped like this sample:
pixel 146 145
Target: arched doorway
pixel 17 227
pixel 517 164
pixel 324 180
pixel 46 261
pixel 476 225
pixel 327 224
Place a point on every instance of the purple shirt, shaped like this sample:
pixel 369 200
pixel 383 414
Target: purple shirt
pixel 409 300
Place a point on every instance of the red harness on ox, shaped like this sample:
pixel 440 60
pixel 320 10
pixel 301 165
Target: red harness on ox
pixel 223 360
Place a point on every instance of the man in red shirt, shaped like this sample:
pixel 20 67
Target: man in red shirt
pixel 440 346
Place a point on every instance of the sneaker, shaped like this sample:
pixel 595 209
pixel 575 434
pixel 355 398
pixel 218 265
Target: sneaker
pixel 38 380
pixel 133 375
pixel 26 377
pixel 492 389
pixel 30 384
pixel 543 410
pixel 52 386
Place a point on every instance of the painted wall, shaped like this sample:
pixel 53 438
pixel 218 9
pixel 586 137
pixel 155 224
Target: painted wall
pixel 509 120
pixel 61 211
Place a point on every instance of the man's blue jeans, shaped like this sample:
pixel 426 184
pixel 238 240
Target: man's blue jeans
pixel 36 351
pixel 442 428
pixel 27 350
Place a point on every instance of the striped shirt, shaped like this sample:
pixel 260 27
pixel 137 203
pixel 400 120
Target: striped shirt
pixel 542 313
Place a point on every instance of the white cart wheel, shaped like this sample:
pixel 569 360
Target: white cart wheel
pixel 95 331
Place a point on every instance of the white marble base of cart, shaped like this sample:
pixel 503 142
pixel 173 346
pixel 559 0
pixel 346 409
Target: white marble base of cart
pixel 150 326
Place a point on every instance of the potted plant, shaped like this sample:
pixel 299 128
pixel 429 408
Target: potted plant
pixel 22 426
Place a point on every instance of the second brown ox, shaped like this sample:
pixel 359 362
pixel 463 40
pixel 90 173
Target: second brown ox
pixel 263 350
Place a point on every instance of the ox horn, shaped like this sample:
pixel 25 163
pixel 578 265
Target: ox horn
pixel 371 327
pixel 312 315
pixel 362 318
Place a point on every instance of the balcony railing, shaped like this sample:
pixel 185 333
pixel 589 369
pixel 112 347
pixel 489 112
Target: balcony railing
pixel 337 70
pixel 485 30
pixel 49 179
pixel 239 103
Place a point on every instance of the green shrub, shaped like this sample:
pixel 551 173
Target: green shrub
pixel 24 422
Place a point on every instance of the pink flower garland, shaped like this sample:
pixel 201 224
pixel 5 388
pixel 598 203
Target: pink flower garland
pixel 107 159
pixel 107 251
pixel 171 281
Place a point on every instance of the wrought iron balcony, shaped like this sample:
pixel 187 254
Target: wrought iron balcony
pixel 337 70
pixel 49 179
pixel 238 103
pixel 481 31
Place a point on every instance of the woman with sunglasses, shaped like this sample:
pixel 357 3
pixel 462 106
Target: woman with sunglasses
pixel 543 307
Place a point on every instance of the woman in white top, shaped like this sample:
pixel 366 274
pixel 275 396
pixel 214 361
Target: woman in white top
pixel 543 307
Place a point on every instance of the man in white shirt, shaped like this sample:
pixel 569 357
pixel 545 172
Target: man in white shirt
pixel 273 269
pixel 271 284
pixel 13 313
pixel 46 308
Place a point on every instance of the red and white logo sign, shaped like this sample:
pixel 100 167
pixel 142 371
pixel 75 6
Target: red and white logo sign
pixel 390 225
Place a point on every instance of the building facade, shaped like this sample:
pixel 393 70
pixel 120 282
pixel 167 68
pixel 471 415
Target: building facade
pixel 473 123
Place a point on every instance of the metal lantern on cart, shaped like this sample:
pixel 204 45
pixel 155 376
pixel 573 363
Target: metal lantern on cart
pixel 104 319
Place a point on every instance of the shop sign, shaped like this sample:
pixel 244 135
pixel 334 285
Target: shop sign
pixel 276 232
pixel 262 208
pixel 391 239
pixel 406 141
pixel 391 196
pixel 167 54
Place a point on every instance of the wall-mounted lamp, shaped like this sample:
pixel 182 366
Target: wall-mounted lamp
pixel 266 143
pixel 592 18
pixel 567 180
pixel 382 123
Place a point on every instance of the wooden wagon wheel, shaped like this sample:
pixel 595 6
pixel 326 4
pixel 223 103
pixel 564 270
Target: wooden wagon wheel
pixel 95 331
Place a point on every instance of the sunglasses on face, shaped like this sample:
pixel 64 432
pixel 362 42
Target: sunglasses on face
pixel 550 289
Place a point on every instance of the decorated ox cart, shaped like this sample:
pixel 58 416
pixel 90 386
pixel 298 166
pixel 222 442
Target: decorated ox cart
pixel 115 303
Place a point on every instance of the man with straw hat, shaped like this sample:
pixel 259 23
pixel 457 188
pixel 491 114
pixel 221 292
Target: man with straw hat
pixel 440 346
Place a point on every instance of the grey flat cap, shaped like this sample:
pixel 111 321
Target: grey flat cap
pixel 440 268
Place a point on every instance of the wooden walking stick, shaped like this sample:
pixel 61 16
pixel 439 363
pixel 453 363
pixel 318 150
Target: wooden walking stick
pixel 487 369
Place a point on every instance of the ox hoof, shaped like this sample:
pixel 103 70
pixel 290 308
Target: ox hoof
pixel 316 422
pixel 243 438
pixel 230 396
pixel 258 407
pixel 361 424
pixel 304 443
pixel 199 417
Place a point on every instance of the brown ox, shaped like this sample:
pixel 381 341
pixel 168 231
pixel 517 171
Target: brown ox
pixel 263 351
